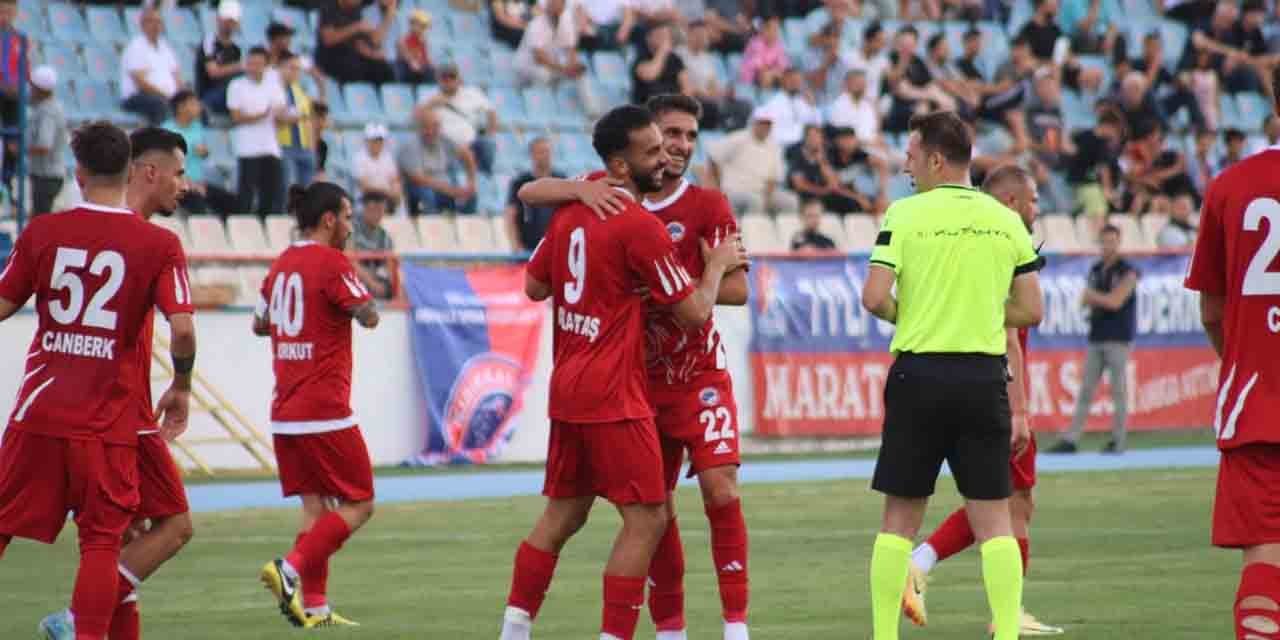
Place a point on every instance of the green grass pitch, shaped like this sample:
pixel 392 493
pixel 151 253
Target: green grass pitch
pixel 1115 555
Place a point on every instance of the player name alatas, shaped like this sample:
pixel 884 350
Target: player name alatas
pixel 583 325
pixel 78 344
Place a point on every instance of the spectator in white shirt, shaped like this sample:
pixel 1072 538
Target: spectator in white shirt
pixel 548 53
pixel 719 108
pixel 258 105
pixel 150 71
pixel 467 117
pixel 747 165
pixel 604 24
pixel 792 109
pixel 855 109
pixel 1178 232
pixel 375 167
pixel 872 57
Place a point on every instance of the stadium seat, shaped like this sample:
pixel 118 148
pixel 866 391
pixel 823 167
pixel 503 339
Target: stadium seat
pixel 467 27
pixel 220 153
pixel 101 61
pixel 474 67
pixel 398 103
pixel 362 104
pixel 220 276
pixel 502 244
pixel 860 231
pixel 1175 37
pixel 1228 114
pixel 610 68
pixel 541 105
pixel 1132 237
pixel 180 26
pixel 475 234
pixel 31 19
pixel 65 59
pixel 66 23
pixel 795 34
pixel 247 235
pixel 1077 113
pixel 1060 233
pixel 501 66
pixel 571 113
pixel 280 232
pixel 404 237
pixel 1253 108
pixel 759 234
pixel 251 279
pixel 178 228
pixel 509 155
pixel 208 235
pixel 437 234
pixel 95 98
pixel 788 224
pixel 1152 223
pixel 105 25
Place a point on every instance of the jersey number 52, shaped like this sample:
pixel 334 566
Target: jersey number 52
pixel 1257 280
pixel 63 279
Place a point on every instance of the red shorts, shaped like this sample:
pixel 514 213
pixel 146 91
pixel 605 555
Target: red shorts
pixel 333 464
pixel 618 461
pixel 43 477
pixel 1023 467
pixel 1246 510
pixel 159 480
pixel 703 421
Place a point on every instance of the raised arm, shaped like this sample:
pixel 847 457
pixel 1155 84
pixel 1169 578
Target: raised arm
pixel 599 195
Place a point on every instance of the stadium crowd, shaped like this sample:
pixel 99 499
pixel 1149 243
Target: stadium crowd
pixel 1116 106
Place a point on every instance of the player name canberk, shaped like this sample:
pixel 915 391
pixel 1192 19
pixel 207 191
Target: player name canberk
pixel 77 344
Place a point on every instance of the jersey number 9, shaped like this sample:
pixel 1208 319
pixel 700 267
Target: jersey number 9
pixel 577 266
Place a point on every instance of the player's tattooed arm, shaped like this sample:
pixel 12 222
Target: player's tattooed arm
pixel 366 314
pixel 599 195
pixel 1212 311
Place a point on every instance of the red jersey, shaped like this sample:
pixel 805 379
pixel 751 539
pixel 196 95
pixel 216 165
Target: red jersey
pixel 308 299
pixel 595 268
pixel 96 273
pixel 1238 257
pixel 146 416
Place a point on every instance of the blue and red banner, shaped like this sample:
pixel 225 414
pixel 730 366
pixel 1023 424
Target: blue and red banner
pixel 819 360
pixel 475 338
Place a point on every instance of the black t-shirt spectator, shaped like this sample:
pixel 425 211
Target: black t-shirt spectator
pixel 1112 326
pixel 811 240
pixel 1141 115
pixel 667 82
pixel 847 168
pixel 333 15
pixel 1092 152
pixel 511 35
pixel 918 75
pixel 969 69
pixel 1179 184
pixel 1042 38
pixel 214 50
pixel 531 222
pixel 800 164
pixel 1163 77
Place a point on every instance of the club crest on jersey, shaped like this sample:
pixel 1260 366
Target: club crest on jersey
pixel 676 230
pixel 478 412
pixel 709 397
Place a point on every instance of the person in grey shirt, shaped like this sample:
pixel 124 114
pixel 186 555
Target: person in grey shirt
pixel 426 162
pixel 47 140
pixel 368 235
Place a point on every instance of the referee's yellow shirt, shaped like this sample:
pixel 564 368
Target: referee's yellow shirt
pixel 955 251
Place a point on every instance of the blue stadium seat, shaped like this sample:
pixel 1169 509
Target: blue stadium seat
pixel 510 155
pixel 66 23
pixel 186 55
pixel 795 33
pixel 397 103
pixel 474 67
pixel 101 60
pixel 180 26
pixel 425 91
pixel 611 68
pixel 338 111
pixel 95 98
pixel 510 106
pixel 1253 108
pixel 63 56
pixel 362 103
pixel 572 114
pixel 1174 35
pixel 1076 112
pixel 467 27
pixel 353 141
pixel 1229 114
pixel 31 19
pixel 540 103
pixel 105 24
pixel 502 70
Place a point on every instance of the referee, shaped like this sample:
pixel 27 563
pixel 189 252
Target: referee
pixel 965 270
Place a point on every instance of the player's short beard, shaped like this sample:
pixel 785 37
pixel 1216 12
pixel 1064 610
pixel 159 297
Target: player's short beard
pixel 646 183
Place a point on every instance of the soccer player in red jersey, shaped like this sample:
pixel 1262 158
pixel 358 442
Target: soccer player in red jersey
pixel 308 301
pixel 1237 272
pixel 162 524
pixel 97 271
pixel 1016 189
pixel 689 385
pixel 603 440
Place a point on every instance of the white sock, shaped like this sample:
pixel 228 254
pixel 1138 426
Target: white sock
pixel 289 571
pixel 673 635
pixel 735 631
pixel 319 612
pixel 609 636
pixel 516 624
pixel 924 557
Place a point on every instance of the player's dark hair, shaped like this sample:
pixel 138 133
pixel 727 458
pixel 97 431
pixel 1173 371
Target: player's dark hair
pixel 946 133
pixel 179 98
pixel 1005 175
pixel 935 39
pixel 1109 228
pixel 660 104
pixel 874 29
pixel 309 204
pixel 612 133
pixel 909 29
pixel 1110 115
pixel 102 149
pixel 374 196
pixel 259 51
pixel 148 139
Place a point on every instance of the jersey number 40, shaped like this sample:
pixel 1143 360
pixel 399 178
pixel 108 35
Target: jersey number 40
pixel 286 310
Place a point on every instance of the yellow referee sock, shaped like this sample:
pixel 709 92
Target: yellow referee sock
pixel 1002 574
pixel 890 558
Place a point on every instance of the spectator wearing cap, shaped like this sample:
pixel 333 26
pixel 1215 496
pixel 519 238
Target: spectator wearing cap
pixel 368 236
pixel 150 72
pixel 527 224
pixel 297 139
pixel 427 163
pixel 748 167
pixel 374 166
pixel 765 58
pixel 467 117
pixel 258 106
pixel 720 110
pixel 413 55
pixel 200 197
pixel 660 70
pixel 218 59
pixel 350 48
pixel 47 140
pixel 793 109
pixel 548 54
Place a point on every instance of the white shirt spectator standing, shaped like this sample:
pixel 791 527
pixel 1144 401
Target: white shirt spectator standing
pixel 548 54
pixel 258 105
pixel 150 74
pixel 793 109
pixel 748 167
pixel 47 140
pixel 375 167
pixel 467 117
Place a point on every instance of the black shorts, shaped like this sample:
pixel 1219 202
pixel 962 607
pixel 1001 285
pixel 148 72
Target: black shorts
pixel 952 407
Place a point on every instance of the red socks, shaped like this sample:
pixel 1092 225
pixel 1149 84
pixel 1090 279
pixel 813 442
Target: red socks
pixel 623 599
pixel 532 577
pixel 94 598
pixel 666 571
pixel 729 551
pixel 323 540
pixel 1024 545
pixel 315 581
pixel 126 624
pixel 952 536
pixel 1258 580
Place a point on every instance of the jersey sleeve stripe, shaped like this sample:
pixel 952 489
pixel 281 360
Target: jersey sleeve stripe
pixel 1034 265
pixel 666 285
pixel 884 263
pixel 177 287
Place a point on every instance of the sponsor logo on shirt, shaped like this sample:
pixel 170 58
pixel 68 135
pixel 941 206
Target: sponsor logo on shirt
pixel 709 397
pixel 676 230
